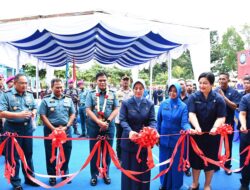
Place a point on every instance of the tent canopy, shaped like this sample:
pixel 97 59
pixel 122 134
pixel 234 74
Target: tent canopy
pixel 109 39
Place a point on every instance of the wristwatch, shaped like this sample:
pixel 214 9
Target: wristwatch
pixel 108 121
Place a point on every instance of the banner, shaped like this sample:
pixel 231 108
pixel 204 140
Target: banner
pixel 243 60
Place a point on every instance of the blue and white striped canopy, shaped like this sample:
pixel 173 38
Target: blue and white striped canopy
pixel 98 43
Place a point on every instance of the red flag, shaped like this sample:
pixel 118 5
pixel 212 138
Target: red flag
pixel 74 70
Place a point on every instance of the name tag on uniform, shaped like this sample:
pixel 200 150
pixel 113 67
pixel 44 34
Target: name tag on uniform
pixel 197 102
pixel 28 100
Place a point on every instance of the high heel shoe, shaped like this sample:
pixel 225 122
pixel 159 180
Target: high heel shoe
pixel 194 188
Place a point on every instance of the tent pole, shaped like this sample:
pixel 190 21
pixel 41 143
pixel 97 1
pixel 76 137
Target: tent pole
pixel 37 78
pixel 169 68
pixel 151 79
pixel 18 62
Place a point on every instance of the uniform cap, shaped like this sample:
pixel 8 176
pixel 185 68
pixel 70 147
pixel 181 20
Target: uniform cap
pixel 139 81
pixel 70 81
pixel 125 77
pixel 80 82
pixel 9 79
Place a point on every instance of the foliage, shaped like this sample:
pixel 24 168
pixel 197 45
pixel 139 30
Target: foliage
pixel 224 54
pixel 30 70
pixel 182 67
pixel 230 45
pixel 89 75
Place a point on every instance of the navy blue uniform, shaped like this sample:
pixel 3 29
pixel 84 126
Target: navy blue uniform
pixel 58 112
pixel 133 118
pixel 207 111
pixel 234 96
pixel 245 140
pixel 13 102
pixel 94 130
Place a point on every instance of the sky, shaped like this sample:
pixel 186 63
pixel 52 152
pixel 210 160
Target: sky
pixel 213 14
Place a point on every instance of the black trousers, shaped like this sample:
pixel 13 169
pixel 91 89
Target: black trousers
pixel 119 130
pixel 93 132
pixel 27 146
pixel 230 140
pixel 245 173
pixel 67 147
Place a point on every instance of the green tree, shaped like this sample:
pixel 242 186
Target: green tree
pixel 230 45
pixel 227 51
pixel 30 70
pixel 182 67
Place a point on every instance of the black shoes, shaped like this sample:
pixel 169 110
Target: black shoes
pixel 18 188
pixel 31 183
pixel 194 188
pixel 52 181
pixel 93 181
pixel 188 173
pixel 162 188
pixel 63 178
pixel 228 172
pixel 83 135
pixel 107 180
pixel 76 132
pixel 242 187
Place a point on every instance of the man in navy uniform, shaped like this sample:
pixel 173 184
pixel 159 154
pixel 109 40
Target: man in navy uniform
pixel 244 117
pixel 73 93
pixel 57 113
pixel 19 108
pixel 82 108
pixel 232 99
pixel 101 108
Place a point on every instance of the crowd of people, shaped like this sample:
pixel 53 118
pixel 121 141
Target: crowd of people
pixel 123 113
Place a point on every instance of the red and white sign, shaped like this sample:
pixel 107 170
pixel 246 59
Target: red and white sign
pixel 243 59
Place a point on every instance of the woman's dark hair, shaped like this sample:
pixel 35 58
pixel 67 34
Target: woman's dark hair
pixel 209 76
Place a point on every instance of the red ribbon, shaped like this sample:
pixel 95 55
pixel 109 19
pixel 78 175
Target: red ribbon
pixel 184 164
pixel 146 138
pixel 58 137
pixel 224 130
pixel 108 148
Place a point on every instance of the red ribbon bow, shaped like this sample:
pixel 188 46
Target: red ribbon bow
pixel 224 130
pixel 58 137
pixel 146 138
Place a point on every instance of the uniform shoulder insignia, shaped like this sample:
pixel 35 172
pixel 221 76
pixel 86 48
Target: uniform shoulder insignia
pixel 7 90
pixel 47 96
pixel 29 91
pixel 68 96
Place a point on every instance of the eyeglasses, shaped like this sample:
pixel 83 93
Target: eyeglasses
pixel 22 83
